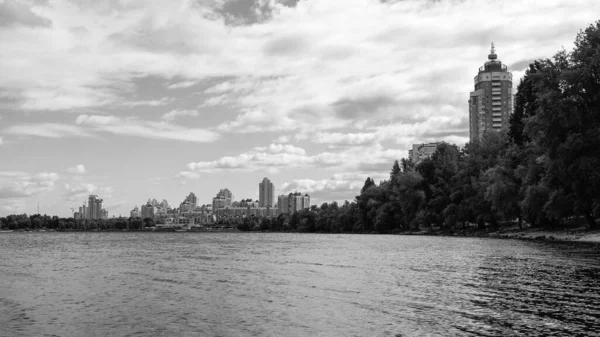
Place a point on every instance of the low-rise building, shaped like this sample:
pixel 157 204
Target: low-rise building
pixel 419 152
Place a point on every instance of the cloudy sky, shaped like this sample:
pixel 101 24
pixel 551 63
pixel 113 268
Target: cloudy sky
pixel 143 99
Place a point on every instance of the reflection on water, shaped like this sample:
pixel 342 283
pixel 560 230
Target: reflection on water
pixel 241 284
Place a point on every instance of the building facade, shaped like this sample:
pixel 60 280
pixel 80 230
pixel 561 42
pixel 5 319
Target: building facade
pixel 490 105
pixel 266 193
pixel 149 211
pixel 223 199
pixel 135 212
pixel 292 202
pixel 425 150
pixel 188 204
pixel 95 208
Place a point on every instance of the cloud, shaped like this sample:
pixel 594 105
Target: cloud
pixel 338 187
pixel 282 148
pixel 146 129
pixel 338 138
pixel 78 169
pixel 406 58
pixel 81 190
pixel 18 13
pixel 159 102
pixel 171 115
pixel 276 157
pixel 48 130
pixel 261 158
pixel 21 184
pixel 182 85
pixel 354 108
pixel 1 141
pixel 215 100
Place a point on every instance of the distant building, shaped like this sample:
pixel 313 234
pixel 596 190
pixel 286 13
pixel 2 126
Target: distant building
pixel 223 199
pixel 83 212
pixel 282 203
pixel 135 212
pixel 292 202
pixel 149 211
pixel 266 192
pixel 490 105
pixel 165 204
pixel 188 204
pixel 95 208
pixel 425 150
pixel 228 212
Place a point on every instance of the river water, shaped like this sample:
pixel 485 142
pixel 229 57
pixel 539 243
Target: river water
pixel 253 284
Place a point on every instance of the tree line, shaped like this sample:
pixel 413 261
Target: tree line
pixel 543 171
pixel 46 222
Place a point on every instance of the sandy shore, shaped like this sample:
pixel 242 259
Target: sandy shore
pixel 564 234
pixel 571 235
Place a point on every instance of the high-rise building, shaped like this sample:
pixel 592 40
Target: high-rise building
pixel 135 212
pixel 191 199
pixel 282 203
pixel 95 207
pixel 490 105
pixel 149 211
pixel 223 199
pixel 225 193
pixel 83 211
pixel 266 193
pixel 292 202
pixel 165 204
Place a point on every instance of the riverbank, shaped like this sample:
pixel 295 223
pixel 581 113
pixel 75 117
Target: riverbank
pixel 566 234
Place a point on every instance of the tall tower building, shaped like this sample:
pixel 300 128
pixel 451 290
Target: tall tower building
pixel 192 199
pixel 490 105
pixel 93 211
pixel 266 193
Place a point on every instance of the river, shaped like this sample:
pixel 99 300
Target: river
pixel 267 284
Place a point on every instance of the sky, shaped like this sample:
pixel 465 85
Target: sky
pixel 139 99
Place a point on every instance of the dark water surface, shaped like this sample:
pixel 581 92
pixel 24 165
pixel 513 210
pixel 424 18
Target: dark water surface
pixel 239 284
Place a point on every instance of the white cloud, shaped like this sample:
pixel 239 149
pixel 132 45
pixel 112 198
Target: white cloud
pixel 49 130
pixel 1 141
pixel 81 190
pixel 171 115
pixel 78 169
pixel 405 58
pixel 159 102
pixel 147 129
pixel 338 187
pixel 21 184
pixel 182 85
pixel 276 157
pixel 215 100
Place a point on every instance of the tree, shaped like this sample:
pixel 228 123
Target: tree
pixel 567 123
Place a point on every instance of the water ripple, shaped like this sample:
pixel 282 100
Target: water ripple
pixel 232 284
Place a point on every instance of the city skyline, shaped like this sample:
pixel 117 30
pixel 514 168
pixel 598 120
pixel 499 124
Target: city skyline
pixel 165 99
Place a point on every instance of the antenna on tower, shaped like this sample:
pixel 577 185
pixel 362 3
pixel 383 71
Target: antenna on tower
pixel 493 48
pixel 38 208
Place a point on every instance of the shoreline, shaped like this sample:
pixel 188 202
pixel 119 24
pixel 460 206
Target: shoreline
pixel 564 234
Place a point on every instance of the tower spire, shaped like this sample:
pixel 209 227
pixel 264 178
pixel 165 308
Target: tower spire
pixel 492 55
